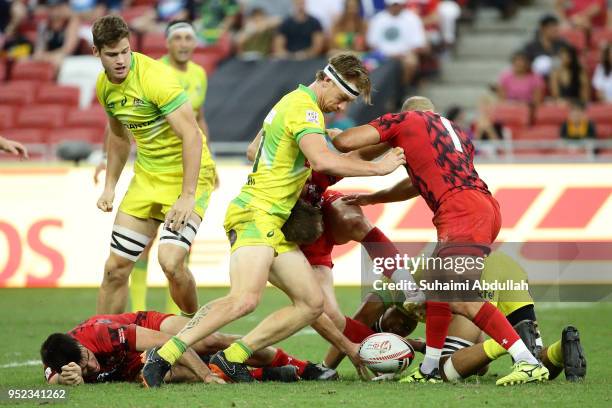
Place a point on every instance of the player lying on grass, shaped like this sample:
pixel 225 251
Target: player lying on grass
pixel 109 348
pixel 383 311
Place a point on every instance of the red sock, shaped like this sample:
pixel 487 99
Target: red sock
pixel 437 319
pixel 356 331
pixel 257 373
pixel 490 320
pixel 378 245
pixel 282 359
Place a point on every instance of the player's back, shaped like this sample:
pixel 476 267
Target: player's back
pixel 439 155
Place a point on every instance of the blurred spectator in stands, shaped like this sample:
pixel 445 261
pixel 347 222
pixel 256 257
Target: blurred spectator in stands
pixel 485 127
pixel 326 11
pixel 13 44
pixel 602 79
pixel 519 83
pixel 216 18
pixel 584 14
pixel 578 126
pixel 456 114
pixel 300 36
pixel 156 18
pixel 254 40
pixel 546 45
pixel 13 147
pixel 397 32
pixel 439 18
pixel 369 8
pixel 350 29
pixel 507 8
pixel 276 8
pixel 569 81
pixel 58 34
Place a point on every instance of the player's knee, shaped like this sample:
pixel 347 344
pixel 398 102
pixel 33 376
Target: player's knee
pixel 172 266
pixel 356 226
pixel 244 304
pixel 467 309
pixel 314 306
pixel 117 270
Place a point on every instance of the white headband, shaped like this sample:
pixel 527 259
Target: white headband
pixel 180 28
pixel 342 83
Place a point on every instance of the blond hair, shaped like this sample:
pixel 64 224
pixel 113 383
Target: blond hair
pixel 418 103
pixel 350 67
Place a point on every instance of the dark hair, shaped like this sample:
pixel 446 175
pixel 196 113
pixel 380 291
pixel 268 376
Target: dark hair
pixel 605 59
pixel 548 20
pixel 305 224
pixel 58 350
pixel 575 67
pixel 453 112
pixel 108 31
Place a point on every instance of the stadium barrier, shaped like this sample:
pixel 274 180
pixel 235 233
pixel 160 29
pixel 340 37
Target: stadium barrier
pixel 52 234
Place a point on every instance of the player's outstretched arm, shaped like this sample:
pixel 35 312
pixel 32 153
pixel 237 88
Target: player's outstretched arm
pixel 356 138
pixel 185 126
pixel 402 191
pixel 118 152
pixel 13 147
pixel 325 161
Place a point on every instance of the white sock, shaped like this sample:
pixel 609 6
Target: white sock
pixel 519 352
pixel 431 360
pixel 405 278
pixel 450 371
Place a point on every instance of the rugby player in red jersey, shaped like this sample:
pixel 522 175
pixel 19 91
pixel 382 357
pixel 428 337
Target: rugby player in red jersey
pixel 109 348
pixel 439 162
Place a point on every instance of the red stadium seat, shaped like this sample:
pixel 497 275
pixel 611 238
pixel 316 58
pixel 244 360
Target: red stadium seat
pixel 133 12
pixel 93 118
pixel 546 132
pixel 34 70
pixel 18 93
pixel 600 113
pixel 26 135
pixel 512 115
pixel 58 94
pixel 91 135
pixel 7 116
pixel 208 62
pixel 551 114
pixel 575 37
pixel 154 44
pixel 41 117
pixel 603 131
pixel 600 37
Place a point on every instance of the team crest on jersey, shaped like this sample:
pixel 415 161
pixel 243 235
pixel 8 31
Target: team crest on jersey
pixel 312 116
pixel 138 102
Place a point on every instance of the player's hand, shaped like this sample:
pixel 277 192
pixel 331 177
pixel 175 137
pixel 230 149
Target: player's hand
pixel 333 132
pixel 362 371
pixel 358 199
pixel 14 148
pixel 391 161
pixel 105 202
pixel 99 169
pixel 213 379
pixel 71 374
pixel 179 214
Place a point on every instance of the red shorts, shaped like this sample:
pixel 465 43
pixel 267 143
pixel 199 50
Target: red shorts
pixel 320 251
pixel 468 217
pixel 150 320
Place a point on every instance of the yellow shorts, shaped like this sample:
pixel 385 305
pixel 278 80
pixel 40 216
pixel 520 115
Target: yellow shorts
pixel 151 195
pixel 249 226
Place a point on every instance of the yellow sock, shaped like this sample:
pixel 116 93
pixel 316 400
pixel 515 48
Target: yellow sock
pixel 171 307
pixel 555 354
pixel 492 349
pixel 237 352
pixel 172 350
pixel 138 286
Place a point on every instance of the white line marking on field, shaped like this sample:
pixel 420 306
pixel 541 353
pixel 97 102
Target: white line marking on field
pixel 21 364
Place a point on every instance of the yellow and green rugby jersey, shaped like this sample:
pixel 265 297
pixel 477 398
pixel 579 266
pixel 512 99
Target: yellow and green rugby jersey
pixel 141 103
pixel 193 81
pixel 279 172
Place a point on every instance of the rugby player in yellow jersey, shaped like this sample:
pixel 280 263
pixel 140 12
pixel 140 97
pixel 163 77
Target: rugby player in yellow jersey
pixel 173 174
pixel 293 132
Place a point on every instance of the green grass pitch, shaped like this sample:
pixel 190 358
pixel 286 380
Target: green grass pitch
pixel 29 315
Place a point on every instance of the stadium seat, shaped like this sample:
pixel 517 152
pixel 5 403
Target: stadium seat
pixel 2 69
pixel 545 132
pixel 603 131
pixel 7 116
pixel 18 93
pixel 81 71
pixel 512 115
pixel 600 37
pixel 59 95
pixel 600 113
pixel 551 114
pixel 575 37
pixel 206 61
pixel 133 12
pixel 26 135
pixel 94 117
pixel 154 44
pixel 33 70
pixel 41 117
pixel 86 134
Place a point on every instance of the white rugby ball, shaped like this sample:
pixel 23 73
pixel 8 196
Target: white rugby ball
pixel 386 353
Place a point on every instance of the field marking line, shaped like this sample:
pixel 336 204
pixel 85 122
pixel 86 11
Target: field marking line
pixel 21 364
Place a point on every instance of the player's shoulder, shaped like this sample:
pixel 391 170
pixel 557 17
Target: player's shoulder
pixel 195 69
pixel 146 67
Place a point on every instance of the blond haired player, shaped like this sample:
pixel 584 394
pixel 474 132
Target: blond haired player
pixel 293 132
pixel 173 174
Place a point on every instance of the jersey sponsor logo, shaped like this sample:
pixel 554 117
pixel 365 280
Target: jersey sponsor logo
pixel 312 116
pixel 141 125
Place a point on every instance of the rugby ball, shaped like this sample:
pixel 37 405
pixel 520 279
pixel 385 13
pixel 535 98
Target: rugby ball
pixel 386 353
